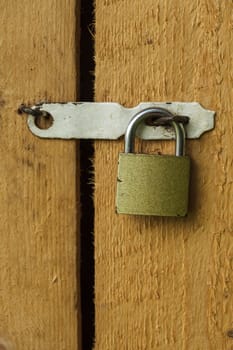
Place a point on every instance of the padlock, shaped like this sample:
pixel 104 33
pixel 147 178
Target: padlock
pixel 149 184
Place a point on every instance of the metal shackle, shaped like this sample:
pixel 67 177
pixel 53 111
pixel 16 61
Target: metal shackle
pixel 156 113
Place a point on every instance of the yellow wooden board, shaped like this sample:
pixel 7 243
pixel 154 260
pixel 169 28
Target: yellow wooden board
pixel 166 283
pixel 39 297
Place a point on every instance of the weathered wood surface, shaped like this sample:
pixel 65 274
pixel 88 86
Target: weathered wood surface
pixel 39 298
pixel 166 283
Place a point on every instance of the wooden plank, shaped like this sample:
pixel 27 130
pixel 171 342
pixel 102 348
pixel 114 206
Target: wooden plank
pixel 166 283
pixel 39 294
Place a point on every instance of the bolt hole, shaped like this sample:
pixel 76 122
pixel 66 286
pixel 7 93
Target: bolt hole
pixel 230 333
pixel 44 122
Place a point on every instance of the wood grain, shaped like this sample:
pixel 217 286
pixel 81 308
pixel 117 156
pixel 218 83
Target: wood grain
pixel 166 283
pixel 39 294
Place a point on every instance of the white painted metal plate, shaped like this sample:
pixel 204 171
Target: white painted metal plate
pixel 90 120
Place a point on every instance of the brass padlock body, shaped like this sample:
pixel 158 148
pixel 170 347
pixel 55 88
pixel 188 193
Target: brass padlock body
pixel 153 184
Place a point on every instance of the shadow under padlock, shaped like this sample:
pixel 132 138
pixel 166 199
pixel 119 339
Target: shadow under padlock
pixel 156 185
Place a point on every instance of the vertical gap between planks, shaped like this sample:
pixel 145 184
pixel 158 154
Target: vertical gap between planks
pixel 86 81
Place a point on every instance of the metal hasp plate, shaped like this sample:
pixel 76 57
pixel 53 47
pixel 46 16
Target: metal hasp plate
pixel 90 120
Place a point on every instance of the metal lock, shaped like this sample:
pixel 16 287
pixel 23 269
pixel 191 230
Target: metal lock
pixel 149 184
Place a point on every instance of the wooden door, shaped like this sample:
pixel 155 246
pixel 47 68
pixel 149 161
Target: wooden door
pixel 159 283
pixel 39 291
pixel 166 283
